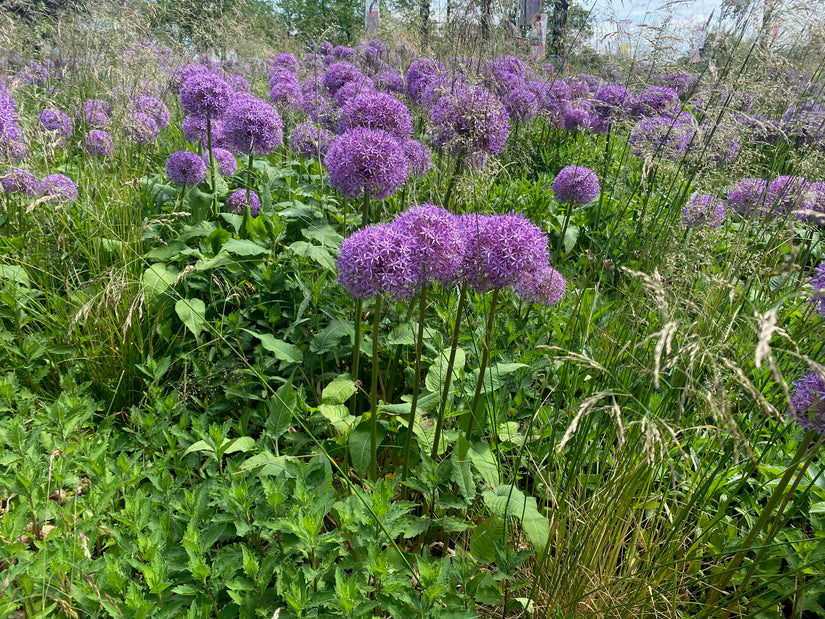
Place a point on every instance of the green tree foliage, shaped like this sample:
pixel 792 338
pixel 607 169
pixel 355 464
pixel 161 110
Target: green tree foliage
pixel 338 21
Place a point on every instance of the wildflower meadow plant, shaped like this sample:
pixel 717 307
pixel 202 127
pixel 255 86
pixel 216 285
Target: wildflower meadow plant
pixel 185 168
pixel 58 189
pixel 703 209
pixel 817 281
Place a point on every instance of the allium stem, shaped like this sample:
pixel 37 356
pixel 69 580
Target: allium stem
pixel 422 307
pixel 445 393
pixel 356 352
pixel 211 164
pixel 485 356
pixel 374 392
pixel 459 167
pixel 567 215
pixel 365 217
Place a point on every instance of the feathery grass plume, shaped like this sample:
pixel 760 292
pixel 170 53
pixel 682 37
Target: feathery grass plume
pixel 186 168
pixel 703 209
pixel 366 161
pixel 237 200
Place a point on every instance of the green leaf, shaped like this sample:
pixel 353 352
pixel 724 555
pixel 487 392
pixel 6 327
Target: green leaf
pixel 484 539
pixel 242 444
pixel 437 374
pixel 16 274
pixel 360 448
pixel 191 313
pixel 281 409
pixel 817 508
pixel 485 462
pixel 494 376
pixel 198 446
pixel 242 247
pixel 571 235
pixel 401 335
pixel 461 473
pixel 341 389
pixel 506 500
pixel 319 254
pixel 329 337
pixel 338 415
pixel 279 348
pixel 265 463
pixel 156 279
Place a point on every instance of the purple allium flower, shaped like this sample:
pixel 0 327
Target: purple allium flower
pixel 656 100
pixel 662 136
pixel 499 249
pixel 788 193
pixel 817 280
pixel 325 48
pixel 469 121
pixel 98 143
pixel 418 157
pixel 808 402
pixel 805 123
pixel 437 242
pixel 251 125
pixel 376 260
pixel 58 188
pixel 342 52
pixel 703 209
pixel 285 61
pixel 554 98
pixel 747 197
pixel 284 88
pixel 422 71
pixel 377 110
pixel 227 164
pixel 309 140
pixel 441 86
pixel 389 81
pixel 505 73
pixel 352 89
pixel 186 168
pixel 97 113
pixel 155 108
pixel 543 284
pixel 236 202
pixel 366 161
pixel 610 101
pixel 338 74
pixel 576 185
pixel 577 118
pixel 718 144
pixel 522 103
pixel 194 130
pixel 238 83
pixel 205 94
pixel 140 127
pixel 57 121
pixel 18 180
pixel 679 81
pixel 579 89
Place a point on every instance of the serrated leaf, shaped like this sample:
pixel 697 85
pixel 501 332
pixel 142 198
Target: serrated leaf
pixel 281 409
pixel 279 348
pixel 265 463
pixel 198 446
pixel 484 539
pixel 338 415
pixel 360 448
pixel 329 337
pixel 341 389
pixel 437 374
pixel 242 444
pixel 243 247
pixel 191 313
pixel 156 279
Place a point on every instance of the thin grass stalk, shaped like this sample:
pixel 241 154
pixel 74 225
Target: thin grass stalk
pixel 374 392
pixel 356 352
pixel 422 307
pixel 459 168
pixel 445 392
pixel 485 356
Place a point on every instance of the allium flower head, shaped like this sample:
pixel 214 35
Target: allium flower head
pixel 577 118
pixel 153 107
pixel 610 101
pixel 338 74
pixel 522 103
pixel 194 130
pixel 352 89
pixel 17 180
pixel 227 164
pixel 57 121
pixel 419 160
pixel 97 113
pixel 389 81
pixel 366 161
pixel 437 242
pixel 251 125
pixel 58 188
pixel 285 61
pixel 817 280
pixel 499 249
pixel 205 94
pixel 140 127
pixel 421 72
pixel 544 285
pixel 703 209
pixel 662 136
pixel 577 185
pixel 808 402
pixel 98 143
pixel 236 202
pixel 377 110
pixel 505 73
pixel 186 168
pixel 469 121
pixel 788 193
pixel 378 260
pixel 656 100
pixel 309 140
pixel 747 197
pixel 284 88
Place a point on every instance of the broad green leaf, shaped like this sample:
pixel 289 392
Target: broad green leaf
pixel 494 376
pixel 341 389
pixel 506 500
pixel 437 374
pixel 461 473
pixel 156 279
pixel 324 234
pixel 281 409
pixel 265 463
pixel 207 264
pixel 484 539
pixel 15 273
pixel 401 335
pixel 319 254
pixel 338 415
pixel 242 444
pixel 360 448
pixel 818 508
pixel 485 462
pixel 165 252
pixel 198 446
pixel 571 235
pixel 202 228
pixel 243 247
pixel 329 337
pixel 191 313
pixel 279 348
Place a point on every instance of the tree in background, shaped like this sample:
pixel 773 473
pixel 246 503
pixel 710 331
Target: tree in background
pixel 337 21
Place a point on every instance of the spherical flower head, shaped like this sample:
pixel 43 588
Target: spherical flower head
pixel 576 118
pixel 353 88
pixel 236 202
pixel 522 103
pixel 420 73
pixel 186 168
pixel 194 130
pixel 703 209
pixel 679 81
pixel 57 121
pixel 253 126
pixel 205 94
pixel 499 249
pixel 469 121
pixel 98 143
pixel 577 185
pixel 808 402
pixel 285 61
pixel 377 110
pixel 97 113
pixel 342 52
pixel 18 180
pixel 389 81
pixel 544 285
pixel 718 144
pixel 140 127
pixel 325 48
pixel 656 100
pixel 419 160
pixel 238 83
pixel 610 101
pixel 788 193
pixel 378 260
pixel 504 74
pixel 338 74
pixel 153 107
pixel 366 161
pixel 662 136
pixel 227 164
pixel 579 88
pixel 805 123
pixel 437 242
pixel 747 197
pixel 57 188
pixel 310 140
pixel 284 89
pixel 817 281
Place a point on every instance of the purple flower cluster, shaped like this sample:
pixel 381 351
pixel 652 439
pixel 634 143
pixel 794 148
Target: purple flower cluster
pixel 576 185
pixel 703 209
pixel 309 140
pixel 469 121
pixel 237 200
pixel 22 181
pixel 522 103
pixel 366 161
pixel 186 168
pixel 817 280
pixel 663 136
pixel 99 143
pixel 57 188
pixel 97 113
pixel 284 88
pixel 655 101
pixel 611 102
pixel 56 121
pixel 544 285
pixel 12 144
pixel 227 164
pixel 377 110
pixel 418 157
pixel 338 74
pixel 786 194
pixel 154 108
pixel 808 402
pixel 421 73
pixel 747 197
pixel 253 126
pixel 205 94
pixel 140 127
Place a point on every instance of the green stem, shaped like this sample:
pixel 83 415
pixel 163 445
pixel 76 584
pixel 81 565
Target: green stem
pixel 459 167
pixel 374 392
pixel 485 355
pixel 567 215
pixel 422 307
pixel 365 219
pixel 211 164
pixel 356 353
pixel 449 375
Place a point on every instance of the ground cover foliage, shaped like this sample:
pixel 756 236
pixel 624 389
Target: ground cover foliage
pixel 269 383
